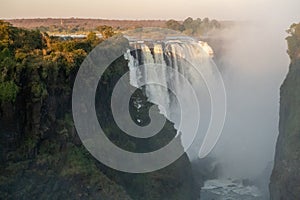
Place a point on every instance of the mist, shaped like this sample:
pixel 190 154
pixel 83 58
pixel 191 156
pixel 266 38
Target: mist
pixel 254 65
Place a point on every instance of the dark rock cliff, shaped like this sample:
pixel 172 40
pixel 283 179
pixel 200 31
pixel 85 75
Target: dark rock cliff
pixel 285 179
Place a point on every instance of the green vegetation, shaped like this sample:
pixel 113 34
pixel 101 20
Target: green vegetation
pixel 106 31
pixel 174 25
pixel 195 27
pixel 294 41
pixel 35 57
pixel 41 154
pixel 8 91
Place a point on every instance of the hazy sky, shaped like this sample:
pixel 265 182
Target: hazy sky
pixel 154 9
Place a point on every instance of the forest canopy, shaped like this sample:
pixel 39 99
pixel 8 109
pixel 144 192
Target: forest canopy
pixel 35 53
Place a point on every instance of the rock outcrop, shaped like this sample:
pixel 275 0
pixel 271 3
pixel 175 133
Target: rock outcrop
pixel 285 179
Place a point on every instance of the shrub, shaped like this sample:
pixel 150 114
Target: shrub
pixel 8 91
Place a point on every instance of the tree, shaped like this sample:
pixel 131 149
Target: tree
pixel 215 24
pixel 106 31
pixel 294 30
pixel 93 39
pixel 188 23
pixel 206 21
pixel 5 31
pixel 8 91
pixel 293 41
pixel 174 25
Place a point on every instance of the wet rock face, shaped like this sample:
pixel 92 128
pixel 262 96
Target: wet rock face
pixel 285 179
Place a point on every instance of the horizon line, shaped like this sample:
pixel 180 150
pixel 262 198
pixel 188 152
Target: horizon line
pixel 114 19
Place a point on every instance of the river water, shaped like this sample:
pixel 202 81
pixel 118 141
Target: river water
pixel 229 190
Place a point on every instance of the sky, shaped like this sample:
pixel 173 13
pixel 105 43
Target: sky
pixel 154 9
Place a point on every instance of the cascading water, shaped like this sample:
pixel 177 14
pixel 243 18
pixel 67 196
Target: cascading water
pixel 185 56
pixel 188 57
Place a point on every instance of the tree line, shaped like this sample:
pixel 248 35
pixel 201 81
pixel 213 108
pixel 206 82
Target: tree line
pixel 196 27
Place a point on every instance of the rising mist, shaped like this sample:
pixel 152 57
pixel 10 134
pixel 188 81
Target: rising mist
pixel 254 65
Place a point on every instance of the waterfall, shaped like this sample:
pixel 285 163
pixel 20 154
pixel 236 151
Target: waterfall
pixel 185 56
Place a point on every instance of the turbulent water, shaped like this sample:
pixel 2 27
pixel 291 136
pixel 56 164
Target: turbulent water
pixel 229 190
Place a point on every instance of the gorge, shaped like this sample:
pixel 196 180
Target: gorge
pixel 41 153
